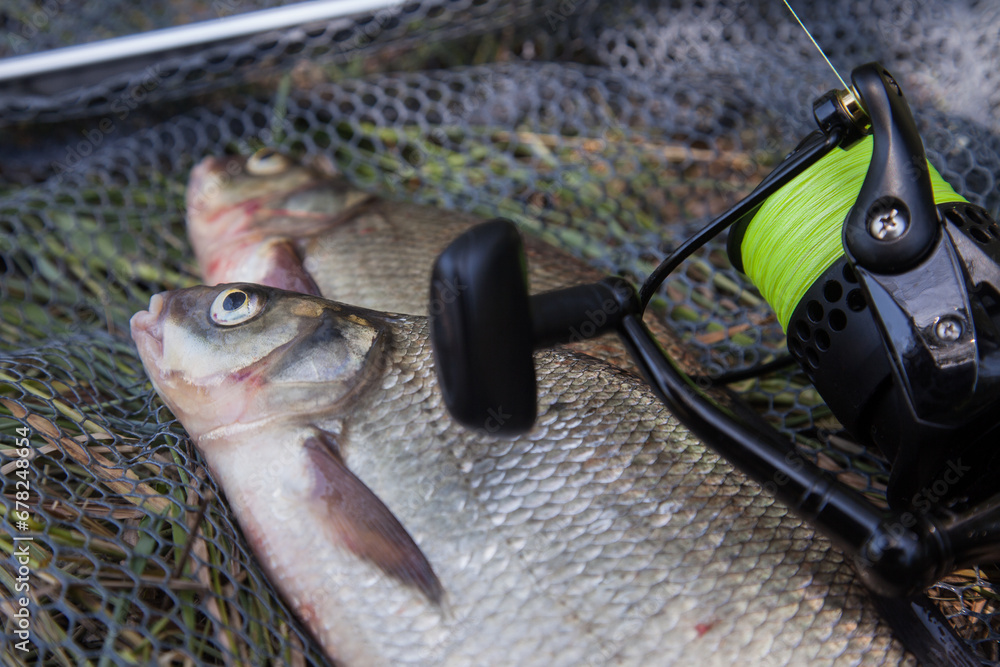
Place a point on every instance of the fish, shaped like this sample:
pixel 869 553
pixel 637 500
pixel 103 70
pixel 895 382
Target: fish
pixel 272 220
pixel 607 535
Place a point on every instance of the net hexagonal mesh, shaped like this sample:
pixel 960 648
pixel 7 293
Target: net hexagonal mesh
pixel 614 131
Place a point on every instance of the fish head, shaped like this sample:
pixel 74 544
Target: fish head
pixel 242 363
pixel 235 201
pixel 229 357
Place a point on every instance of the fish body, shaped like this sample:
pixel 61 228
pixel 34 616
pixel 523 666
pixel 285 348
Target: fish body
pixel 608 535
pixel 269 220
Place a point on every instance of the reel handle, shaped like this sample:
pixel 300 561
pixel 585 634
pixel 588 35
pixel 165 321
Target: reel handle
pixel 485 324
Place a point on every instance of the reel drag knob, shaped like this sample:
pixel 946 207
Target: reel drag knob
pixel 485 326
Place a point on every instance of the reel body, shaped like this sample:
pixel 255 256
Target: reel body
pixel 900 335
pixel 933 431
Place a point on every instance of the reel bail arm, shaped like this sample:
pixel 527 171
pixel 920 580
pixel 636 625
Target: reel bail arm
pixel 893 223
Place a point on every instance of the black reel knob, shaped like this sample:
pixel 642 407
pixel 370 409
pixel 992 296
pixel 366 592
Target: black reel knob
pixel 485 326
pixel 482 343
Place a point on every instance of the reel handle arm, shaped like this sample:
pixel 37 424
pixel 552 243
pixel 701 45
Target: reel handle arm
pixel 485 325
pixel 584 311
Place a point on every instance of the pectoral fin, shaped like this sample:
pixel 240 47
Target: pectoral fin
pixel 364 525
pixel 272 262
pixel 285 271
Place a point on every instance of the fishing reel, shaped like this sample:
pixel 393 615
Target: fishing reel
pixel 900 334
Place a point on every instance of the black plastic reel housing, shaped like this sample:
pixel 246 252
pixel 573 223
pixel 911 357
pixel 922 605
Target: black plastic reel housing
pixel 833 336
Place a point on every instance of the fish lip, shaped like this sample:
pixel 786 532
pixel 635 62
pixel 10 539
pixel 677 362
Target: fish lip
pixel 201 175
pixel 146 327
pixel 210 166
pixel 207 176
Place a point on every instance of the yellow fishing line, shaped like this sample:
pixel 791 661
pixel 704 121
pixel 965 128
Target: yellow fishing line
pixel 796 234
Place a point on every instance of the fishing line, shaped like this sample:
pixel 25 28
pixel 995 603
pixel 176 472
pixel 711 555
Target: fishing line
pixel 796 234
pixel 816 44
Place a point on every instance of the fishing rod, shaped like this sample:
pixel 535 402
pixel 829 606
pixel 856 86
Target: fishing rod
pixel 887 284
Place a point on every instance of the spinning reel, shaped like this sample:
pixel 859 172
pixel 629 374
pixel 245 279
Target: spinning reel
pixel 899 332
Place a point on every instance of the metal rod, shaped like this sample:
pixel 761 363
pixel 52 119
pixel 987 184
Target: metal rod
pixel 170 39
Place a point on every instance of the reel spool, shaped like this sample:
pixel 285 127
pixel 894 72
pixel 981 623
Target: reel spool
pixel 896 319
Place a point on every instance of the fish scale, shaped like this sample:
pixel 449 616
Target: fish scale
pixel 670 554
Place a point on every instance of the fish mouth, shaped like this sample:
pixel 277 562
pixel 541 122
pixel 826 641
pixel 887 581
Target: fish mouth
pixel 207 177
pixel 209 166
pixel 203 171
pixel 147 328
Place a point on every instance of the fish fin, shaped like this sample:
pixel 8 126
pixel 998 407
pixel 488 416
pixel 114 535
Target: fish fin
pixel 285 270
pixel 365 526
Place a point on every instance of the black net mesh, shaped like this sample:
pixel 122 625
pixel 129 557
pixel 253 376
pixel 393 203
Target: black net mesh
pixel 612 130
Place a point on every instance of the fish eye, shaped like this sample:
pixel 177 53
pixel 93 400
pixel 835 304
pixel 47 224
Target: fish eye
pixel 267 162
pixel 235 306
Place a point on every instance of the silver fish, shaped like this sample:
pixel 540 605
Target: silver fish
pixel 270 220
pixel 608 535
